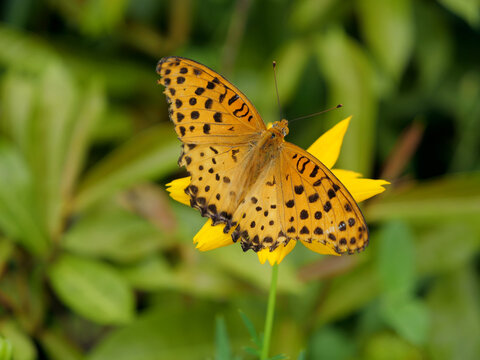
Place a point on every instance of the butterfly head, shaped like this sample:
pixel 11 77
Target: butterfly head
pixel 280 128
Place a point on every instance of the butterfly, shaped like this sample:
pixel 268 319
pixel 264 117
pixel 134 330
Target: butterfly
pixel 246 176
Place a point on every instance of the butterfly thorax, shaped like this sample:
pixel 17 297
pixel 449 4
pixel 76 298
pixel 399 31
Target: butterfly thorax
pixel 265 151
pixel 270 143
pixel 271 139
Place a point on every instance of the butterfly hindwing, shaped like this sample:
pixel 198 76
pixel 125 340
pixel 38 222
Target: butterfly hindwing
pixel 317 205
pixel 204 106
pixel 298 198
pixel 216 183
pixel 259 214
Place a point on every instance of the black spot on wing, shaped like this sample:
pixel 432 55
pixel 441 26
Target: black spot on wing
pixel 238 111
pixel 302 163
pixel 233 99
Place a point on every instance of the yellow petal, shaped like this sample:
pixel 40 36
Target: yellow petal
pixel 212 237
pixel 318 247
pixel 177 187
pixel 277 255
pixel 327 147
pixel 360 188
pixel 345 174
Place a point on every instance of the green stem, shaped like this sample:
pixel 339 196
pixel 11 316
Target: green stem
pixel 270 311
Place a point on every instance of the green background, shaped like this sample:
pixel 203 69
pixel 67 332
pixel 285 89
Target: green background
pixel 97 263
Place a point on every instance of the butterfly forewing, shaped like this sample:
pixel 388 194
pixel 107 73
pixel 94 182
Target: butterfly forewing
pixel 216 183
pixel 204 106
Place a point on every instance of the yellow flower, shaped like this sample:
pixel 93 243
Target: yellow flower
pixel 326 149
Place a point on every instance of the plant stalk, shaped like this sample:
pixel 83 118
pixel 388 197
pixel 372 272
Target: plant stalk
pixel 270 312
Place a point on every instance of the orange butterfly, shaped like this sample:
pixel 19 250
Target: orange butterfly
pixel 248 177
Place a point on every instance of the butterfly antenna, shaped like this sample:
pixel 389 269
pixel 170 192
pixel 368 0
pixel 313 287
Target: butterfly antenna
pixel 274 64
pixel 317 113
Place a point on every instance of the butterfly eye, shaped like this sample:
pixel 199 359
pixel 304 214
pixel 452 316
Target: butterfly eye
pixel 273 136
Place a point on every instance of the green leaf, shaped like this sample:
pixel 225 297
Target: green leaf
pixel 102 16
pixel 251 351
pixel 116 125
pixel 452 197
pixel 93 18
pixel 199 279
pixel 468 10
pixel 434 254
pixel 19 218
pixel 370 320
pixel 307 14
pixel 433 37
pixel 91 107
pixel 148 155
pixel 349 77
pixel 92 289
pixel 51 121
pixel 251 330
pixel 396 260
pixel 152 273
pixel 49 127
pixel 17 99
pixel 38 305
pixel 330 343
pixel 58 347
pixel 465 107
pixel 388 29
pixel 24 52
pixel 182 332
pixel 6 349
pixel 349 293
pixel 222 342
pixel 23 347
pixel 6 250
pixel 302 355
pixel 454 306
pixel 437 254
pixel 388 346
pixel 122 78
pixel 116 235
pixel 32 54
pixel 409 317
pixel 279 357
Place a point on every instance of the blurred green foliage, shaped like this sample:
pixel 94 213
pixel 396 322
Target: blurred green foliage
pixel 97 263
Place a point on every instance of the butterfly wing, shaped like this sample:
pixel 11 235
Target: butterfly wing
pixel 258 214
pixel 318 207
pixel 217 125
pixel 204 106
pixel 300 199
